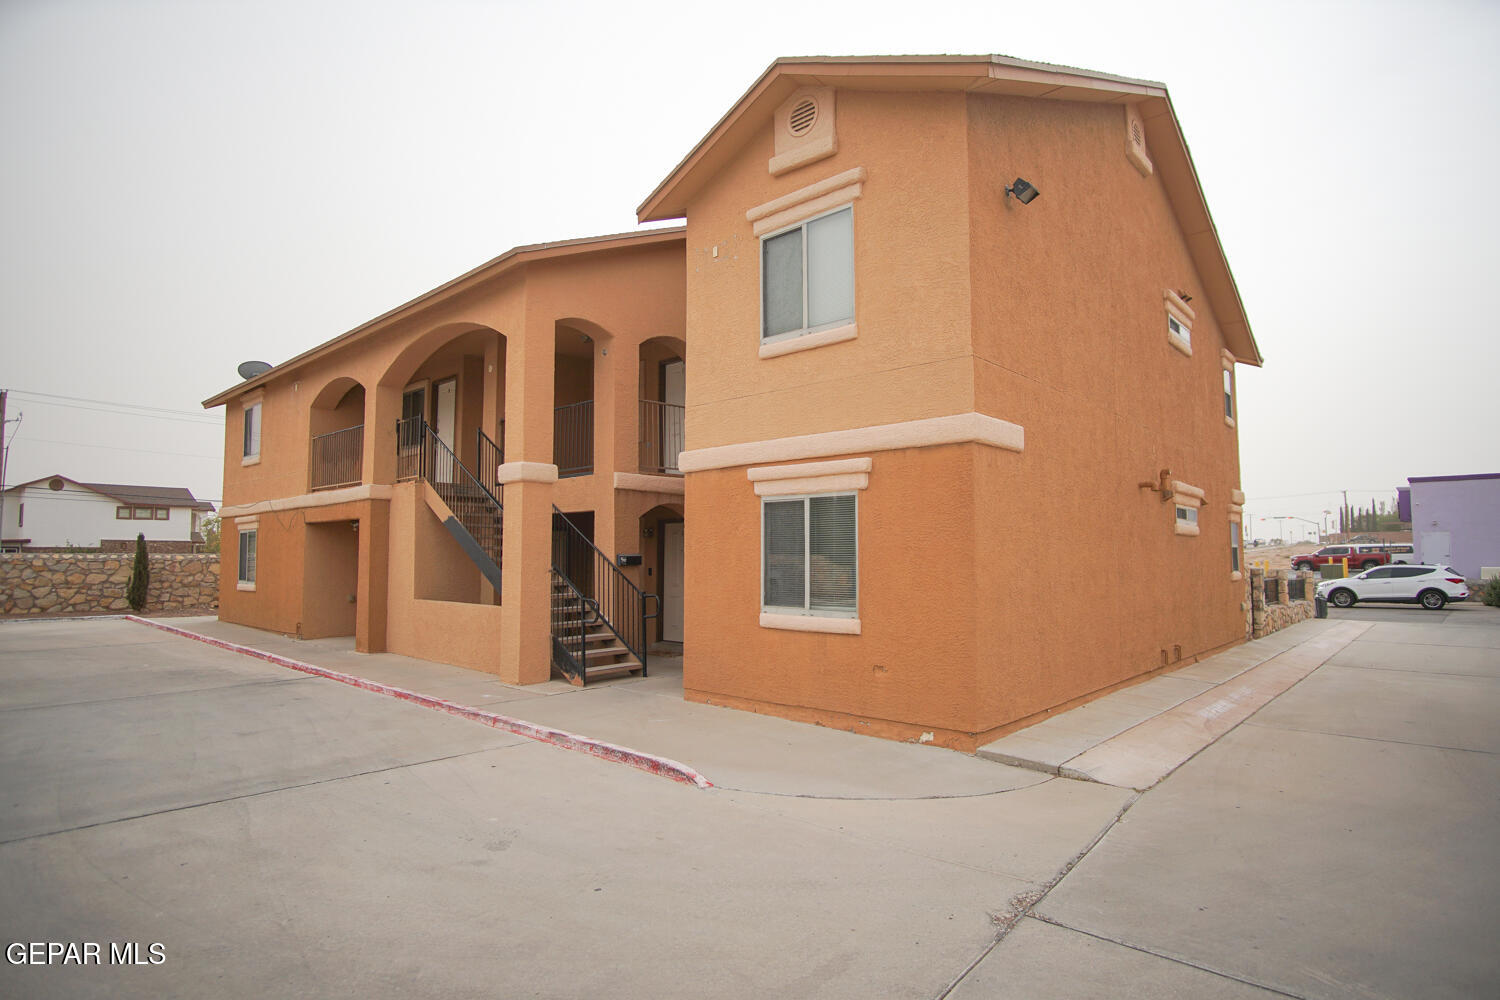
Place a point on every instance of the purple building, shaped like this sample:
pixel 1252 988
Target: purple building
pixel 1455 521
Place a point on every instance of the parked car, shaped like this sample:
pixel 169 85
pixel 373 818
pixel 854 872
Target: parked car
pixel 1401 553
pixel 1359 556
pixel 1430 586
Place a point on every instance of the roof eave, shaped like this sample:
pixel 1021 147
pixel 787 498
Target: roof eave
pixel 511 259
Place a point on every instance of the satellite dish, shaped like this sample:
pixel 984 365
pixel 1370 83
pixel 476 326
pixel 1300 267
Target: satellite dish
pixel 250 369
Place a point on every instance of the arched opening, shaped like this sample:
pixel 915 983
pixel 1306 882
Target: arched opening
pixel 452 382
pixel 336 428
pixel 663 388
pixel 664 545
pixel 576 342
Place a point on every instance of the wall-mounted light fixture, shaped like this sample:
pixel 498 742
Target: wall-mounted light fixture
pixel 1022 189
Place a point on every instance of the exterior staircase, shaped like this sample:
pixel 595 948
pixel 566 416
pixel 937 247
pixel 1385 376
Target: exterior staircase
pixel 470 511
pixel 586 639
pixel 598 616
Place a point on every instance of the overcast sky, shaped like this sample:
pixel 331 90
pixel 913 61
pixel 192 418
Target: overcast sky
pixel 184 186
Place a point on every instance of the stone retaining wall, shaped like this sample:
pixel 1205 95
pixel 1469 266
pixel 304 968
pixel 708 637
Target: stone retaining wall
pixel 54 583
pixel 1273 616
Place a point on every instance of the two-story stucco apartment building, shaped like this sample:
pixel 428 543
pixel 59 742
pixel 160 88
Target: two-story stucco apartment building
pixel 922 425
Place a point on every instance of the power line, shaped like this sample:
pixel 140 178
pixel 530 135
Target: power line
pixel 197 421
pixel 107 402
pixel 141 451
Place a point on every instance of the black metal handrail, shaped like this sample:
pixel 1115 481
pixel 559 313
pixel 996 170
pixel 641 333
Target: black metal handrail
pixel 662 436
pixel 1272 591
pixel 1296 588
pixel 421 454
pixel 573 439
pixel 605 590
pixel 336 459
pixel 489 456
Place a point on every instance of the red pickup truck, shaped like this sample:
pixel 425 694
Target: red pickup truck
pixel 1360 557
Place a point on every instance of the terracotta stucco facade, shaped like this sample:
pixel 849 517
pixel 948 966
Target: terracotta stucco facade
pixel 1003 408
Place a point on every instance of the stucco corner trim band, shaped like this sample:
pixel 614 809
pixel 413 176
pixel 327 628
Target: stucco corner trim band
pixel 326 498
pixel 526 472
pixel 957 428
pixel 808 623
pixel 1181 309
pixel 1226 360
pixel 805 194
pixel 1237 497
pixel 1181 490
pixel 640 483
pixel 811 477
pixel 663 766
pixel 808 341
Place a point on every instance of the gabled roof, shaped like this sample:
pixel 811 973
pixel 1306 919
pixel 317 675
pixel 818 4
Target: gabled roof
pixel 144 496
pixel 511 259
pixel 984 74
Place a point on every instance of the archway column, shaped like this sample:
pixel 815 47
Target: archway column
pixel 528 479
pixel 382 411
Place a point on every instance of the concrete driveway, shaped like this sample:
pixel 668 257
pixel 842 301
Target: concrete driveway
pixel 279 834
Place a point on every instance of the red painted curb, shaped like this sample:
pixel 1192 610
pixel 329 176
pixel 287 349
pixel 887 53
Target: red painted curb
pixel 663 766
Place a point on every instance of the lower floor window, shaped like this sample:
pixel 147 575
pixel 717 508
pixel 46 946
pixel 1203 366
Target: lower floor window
pixel 810 555
pixel 1234 546
pixel 247 556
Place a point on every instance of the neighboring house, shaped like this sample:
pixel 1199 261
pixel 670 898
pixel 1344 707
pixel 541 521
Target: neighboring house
pixel 953 458
pixel 1455 520
pixel 58 512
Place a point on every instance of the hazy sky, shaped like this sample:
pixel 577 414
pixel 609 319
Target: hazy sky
pixel 184 186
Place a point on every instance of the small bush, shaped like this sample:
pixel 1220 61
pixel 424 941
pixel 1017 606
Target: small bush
pixel 1490 592
pixel 140 576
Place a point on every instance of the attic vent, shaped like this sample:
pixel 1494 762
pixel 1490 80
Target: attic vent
pixel 54 483
pixel 803 117
pixel 1135 133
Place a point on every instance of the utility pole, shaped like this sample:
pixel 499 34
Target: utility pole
pixel 3 456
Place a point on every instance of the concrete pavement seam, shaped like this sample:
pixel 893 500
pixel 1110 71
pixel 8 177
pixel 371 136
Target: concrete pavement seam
pixel 1024 903
pixel 153 694
pixel 251 795
pixel 1167 958
pixel 662 766
pixel 1367 739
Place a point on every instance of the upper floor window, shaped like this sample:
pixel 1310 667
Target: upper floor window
pixel 1179 331
pixel 807 276
pixel 248 539
pixel 252 432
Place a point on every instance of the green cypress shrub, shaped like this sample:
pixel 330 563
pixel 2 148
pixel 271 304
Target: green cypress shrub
pixel 140 576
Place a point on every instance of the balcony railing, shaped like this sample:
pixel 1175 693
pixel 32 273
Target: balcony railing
pixel 661 437
pixel 336 459
pixel 573 439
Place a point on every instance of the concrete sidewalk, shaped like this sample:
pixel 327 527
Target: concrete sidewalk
pixel 1131 738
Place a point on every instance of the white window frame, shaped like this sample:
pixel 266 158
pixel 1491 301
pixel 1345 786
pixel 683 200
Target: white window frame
pixel 839 324
pixel 252 535
pixel 252 433
pixel 807 610
pixel 1180 333
pixel 1236 542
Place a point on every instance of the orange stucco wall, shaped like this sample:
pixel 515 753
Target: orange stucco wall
pixel 416 591
pixel 993 585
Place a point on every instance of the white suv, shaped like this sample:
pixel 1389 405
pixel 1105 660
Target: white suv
pixel 1430 586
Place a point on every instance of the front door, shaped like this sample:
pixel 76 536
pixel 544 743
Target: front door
pixel 674 394
pixel 442 422
pixel 1436 547
pixel 671 581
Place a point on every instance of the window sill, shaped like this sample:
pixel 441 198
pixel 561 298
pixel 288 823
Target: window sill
pixel 1236 576
pixel 809 623
pixel 250 460
pixel 808 341
pixel 1228 421
pixel 242 585
pixel 1186 529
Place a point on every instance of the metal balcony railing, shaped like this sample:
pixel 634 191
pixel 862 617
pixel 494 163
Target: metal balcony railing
pixel 573 439
pixel 662 437
pixel 336 459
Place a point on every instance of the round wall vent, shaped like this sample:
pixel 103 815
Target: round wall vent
pixel 54 483
pixel 803 117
